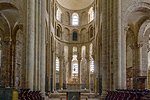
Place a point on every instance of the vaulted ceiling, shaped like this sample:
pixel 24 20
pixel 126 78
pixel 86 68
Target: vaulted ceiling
pixel 75 4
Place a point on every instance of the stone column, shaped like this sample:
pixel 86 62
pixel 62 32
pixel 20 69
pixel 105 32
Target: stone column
pixel 61 59
pixel 123 57
pixel 79 69
pixel 5 64
pixel 39 45
pixel 94 83
pixel 43 46
pixel 70 63
pixel 88 71
pixel 36 50
pixel 117 43
pixel 104 49
pixel 54 70
pixel 30 55
pixel 70 68
pixel 144 68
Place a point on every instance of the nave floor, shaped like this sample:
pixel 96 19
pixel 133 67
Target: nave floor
pixel 65 99
pixel 91 96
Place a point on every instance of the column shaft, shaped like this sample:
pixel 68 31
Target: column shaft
pixel 69 76
pixel 60 72
pixel 39 45
pixel 54 71
pixel 43 46
pixel 88 73
pixel 30 13
pixel 104 49
pixel 123 61
pixel 117 43
pixel 79 72
pixel 36 50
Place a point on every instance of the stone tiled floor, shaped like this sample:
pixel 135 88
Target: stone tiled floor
pixel 65 99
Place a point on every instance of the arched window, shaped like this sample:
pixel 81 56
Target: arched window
pixel 57 64
pixel 58 14
pixel 92 66
pixel 91 14
pixel 58 31
pixel 75 36
pixel 74 67
pixel 75 19
pixel 91 32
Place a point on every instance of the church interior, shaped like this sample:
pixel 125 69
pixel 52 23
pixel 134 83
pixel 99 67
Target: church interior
pixel 75 49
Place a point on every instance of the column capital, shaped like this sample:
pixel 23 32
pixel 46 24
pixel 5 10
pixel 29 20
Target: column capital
pixel 79 58
pixel 132 46
pixel 93 56
pixel 61 57
pixel 127 28
pixel 70 58
pixel 139 45
pixel 87 57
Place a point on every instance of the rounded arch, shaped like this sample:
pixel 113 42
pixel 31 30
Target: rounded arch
pixel 74 49
pixel 84 35
pixel 83 51
pixel 10 16
pixel 7 4
pixel 91 31
pixel 58 30
pixel 84 18
pixel 66 33
pixel 6 24
pixel 75 30
pixel 74 35
pixel 130 37
pixel 83 30
pixel 141 6
pixel 142 31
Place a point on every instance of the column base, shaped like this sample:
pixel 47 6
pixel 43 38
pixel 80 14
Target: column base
pixel 103 96
pixel 44 97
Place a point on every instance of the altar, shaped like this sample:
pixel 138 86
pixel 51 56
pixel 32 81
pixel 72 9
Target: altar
pixel 74 86
pixel 73 95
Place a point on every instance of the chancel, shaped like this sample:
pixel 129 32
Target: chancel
pixel 75 49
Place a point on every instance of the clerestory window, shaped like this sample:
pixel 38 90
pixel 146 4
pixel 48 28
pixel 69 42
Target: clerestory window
pixel 75 19
pixel 91 14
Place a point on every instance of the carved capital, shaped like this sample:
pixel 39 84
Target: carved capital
pixel 132 46
pixel 139 45
pixel 93 56
pixel 87 57
pixel 20 27
pixel 127 28
pixel 70 58
pixel 79 58
pixel 61 57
